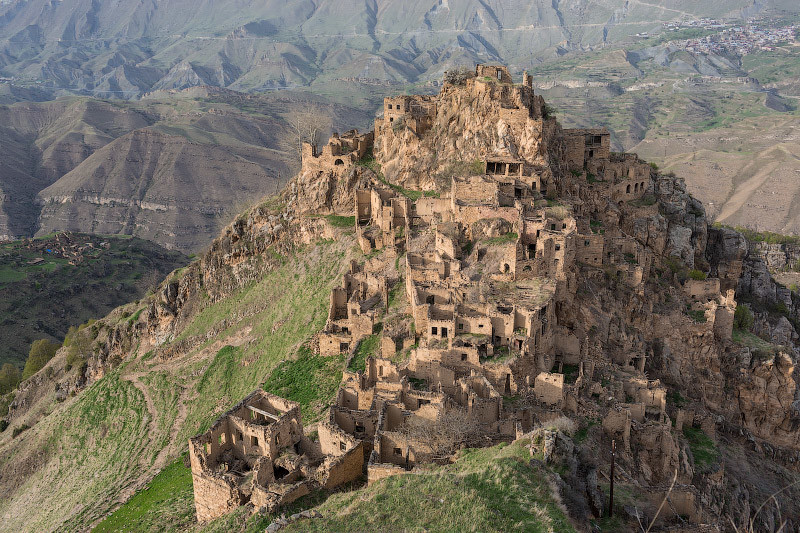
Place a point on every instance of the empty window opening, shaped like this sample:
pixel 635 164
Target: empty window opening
pixel 398 451
pixel 380 370
pixel 338 162
pixel 444 332
pixel 591 153
pixel 558 247
pixel 463 357
pixel 344 347
pixel 429 300
pixel 254 440
pixel 434 330
pixel 221 439
pixel 460 326
pixel 506 268
pixel 342 446
pixel 628 189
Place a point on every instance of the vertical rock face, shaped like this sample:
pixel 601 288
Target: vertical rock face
pixel 725 253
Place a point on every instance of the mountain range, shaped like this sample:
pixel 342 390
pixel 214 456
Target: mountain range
pixel 108 48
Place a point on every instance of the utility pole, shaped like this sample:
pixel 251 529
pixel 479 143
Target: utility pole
pixel 611 489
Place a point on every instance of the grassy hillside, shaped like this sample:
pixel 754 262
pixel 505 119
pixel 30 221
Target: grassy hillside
pixel 115 436
pixel 490 489
pixel 44 290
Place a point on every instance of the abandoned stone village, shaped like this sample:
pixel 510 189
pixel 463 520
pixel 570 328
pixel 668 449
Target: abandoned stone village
pixel 488 231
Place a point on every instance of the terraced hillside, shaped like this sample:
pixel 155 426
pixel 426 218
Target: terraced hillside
pixel 725 122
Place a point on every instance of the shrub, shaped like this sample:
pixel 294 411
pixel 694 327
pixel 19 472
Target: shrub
pixel 704 450
pixel 20 429
pixel 743 318
pixel 697 275
pixel 40 353
pixel 9 378
pixel 458 76
pixel 563 424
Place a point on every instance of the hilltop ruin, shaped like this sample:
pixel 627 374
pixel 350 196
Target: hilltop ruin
pixel 516 272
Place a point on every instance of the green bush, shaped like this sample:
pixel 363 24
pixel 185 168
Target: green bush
pixel 697 275
pixel 40 353
pixel 704 450
pixel 743 318
pixel 9 378
pixel 20 429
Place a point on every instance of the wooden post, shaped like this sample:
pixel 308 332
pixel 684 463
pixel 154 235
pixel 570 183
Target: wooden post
pixel 611 489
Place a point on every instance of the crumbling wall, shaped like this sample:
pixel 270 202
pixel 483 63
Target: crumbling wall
pixel 549 388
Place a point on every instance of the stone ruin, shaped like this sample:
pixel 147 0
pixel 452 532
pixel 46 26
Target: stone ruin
pixel 257 453
pixel 486 352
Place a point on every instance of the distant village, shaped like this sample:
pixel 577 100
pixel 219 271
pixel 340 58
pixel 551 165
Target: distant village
pixel 742 39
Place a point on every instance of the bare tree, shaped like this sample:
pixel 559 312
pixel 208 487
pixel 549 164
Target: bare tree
pixel 452 430
pixel 308 126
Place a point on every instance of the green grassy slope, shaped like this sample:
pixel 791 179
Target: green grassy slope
pixel 490 489
pixel 96 450
pixel 43 300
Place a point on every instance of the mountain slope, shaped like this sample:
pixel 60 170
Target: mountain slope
pixel 172 168
pixel 125 427
pixel 108 48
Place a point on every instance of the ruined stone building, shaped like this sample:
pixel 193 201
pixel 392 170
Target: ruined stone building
pixel 488 260
pixel 257 453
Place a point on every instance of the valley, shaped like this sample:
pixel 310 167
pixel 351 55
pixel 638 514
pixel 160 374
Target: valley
pixel 52 283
